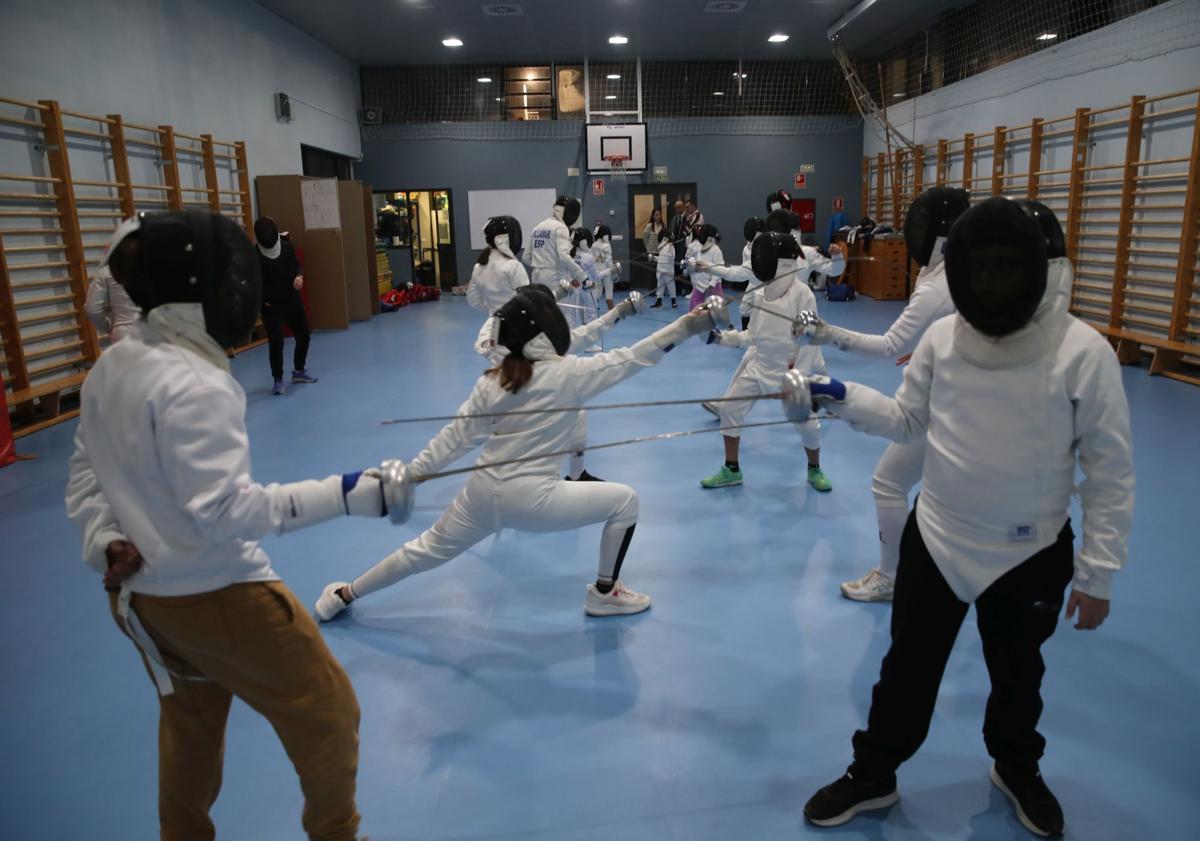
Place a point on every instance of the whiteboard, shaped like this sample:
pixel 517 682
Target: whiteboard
pixel 320 201
pixel 529 206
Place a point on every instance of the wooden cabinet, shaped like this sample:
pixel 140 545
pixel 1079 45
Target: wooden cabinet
pixel 884 276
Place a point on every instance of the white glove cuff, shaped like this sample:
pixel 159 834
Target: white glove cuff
pixel 310 502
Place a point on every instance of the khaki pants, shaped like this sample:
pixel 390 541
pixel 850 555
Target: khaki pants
pixel 255 641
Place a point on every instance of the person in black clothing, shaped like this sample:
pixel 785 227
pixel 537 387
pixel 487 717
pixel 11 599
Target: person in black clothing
pixel 282 282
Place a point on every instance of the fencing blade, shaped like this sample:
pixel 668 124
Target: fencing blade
pixel 776 395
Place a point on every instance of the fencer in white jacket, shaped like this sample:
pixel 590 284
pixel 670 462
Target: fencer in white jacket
pixel 579 307
pixel 497 274
pixel 927 223
pixel 1013 395
pixel 549 249
pixel 771 351
pixel 664 271
pixel 161 489
pixel 607 271
pixel 109 307
pixel 528 496
pixel 703 253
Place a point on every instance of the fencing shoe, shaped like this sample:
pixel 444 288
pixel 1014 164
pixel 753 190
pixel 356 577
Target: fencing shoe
pixel 617 601
pixel 875 586
pixel 330 604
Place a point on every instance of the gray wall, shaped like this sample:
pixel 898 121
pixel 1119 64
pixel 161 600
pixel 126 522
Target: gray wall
pixel 733 174
pixel 203 66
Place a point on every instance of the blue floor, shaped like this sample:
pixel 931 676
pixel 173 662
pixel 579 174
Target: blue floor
pixel 494 709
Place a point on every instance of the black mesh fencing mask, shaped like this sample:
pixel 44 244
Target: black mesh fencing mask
pixel 766 252
pixel 570 209
pixel 753 227
pixel 930 216
pixel 1056 243
pixel 197 257
pixel 996 266
pixel 530 312
pixel 504 226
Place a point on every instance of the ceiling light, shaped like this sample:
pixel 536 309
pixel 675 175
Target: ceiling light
pixel 897 95
pixel 618 39
pixel 611 96
pixel 498 99
pixel 778 38
pixel 1047 36
pixel 451 42
pixel 742 75
pixel 484 80
pixel 718 93
pixel 613 76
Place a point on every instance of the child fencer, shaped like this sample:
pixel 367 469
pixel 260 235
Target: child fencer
pixel 770 352
pixel 705 251
pixel 742 273
pixel 537 373
pixel 926 225
pixel 779 200
pixel 497 274
pixel 1013 395
pixel 580 303
pixel 607 270
pixel 664 270
pixel 160 487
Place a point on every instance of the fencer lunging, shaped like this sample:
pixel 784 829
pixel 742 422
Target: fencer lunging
pixel 528 496
pixel 926 225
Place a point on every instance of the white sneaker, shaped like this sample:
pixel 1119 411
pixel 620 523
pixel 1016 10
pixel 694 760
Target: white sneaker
pixel 618 600
pixel 875 586
pixel 330 604
pixel 711 408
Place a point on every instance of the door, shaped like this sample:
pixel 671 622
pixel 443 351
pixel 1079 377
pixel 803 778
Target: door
pixel 806 209
pixel 644 199
pixel 432 214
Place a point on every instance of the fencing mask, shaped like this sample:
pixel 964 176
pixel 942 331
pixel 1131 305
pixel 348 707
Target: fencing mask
pixel 1056 243
pixel 779 200
pixel 603 232
pixel 504 234
pixel 707 235
pixel 930 216
pixel 266 233
pixel 566 210
pixel 192 256
pixel 581 239
pixel 532 325
pixel 996 266
pixel 753 227
pixel 773 260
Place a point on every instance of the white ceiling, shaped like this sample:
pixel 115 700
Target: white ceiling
pixel 411 31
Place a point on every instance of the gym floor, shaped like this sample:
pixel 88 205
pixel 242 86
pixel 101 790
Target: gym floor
pixel 492 708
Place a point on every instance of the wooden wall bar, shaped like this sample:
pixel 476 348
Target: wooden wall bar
pixel 54 230
pixel 1125 183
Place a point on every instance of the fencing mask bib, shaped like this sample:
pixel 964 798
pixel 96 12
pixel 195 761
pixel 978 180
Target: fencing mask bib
pixel 266 233
pixel 191 256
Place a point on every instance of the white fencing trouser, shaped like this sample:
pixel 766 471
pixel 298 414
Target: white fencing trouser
pixel 897 472
pixel 548 277
pixel 579 436
pixel 666 283
pixel 534 504
pixel 608 273
pixel 733 413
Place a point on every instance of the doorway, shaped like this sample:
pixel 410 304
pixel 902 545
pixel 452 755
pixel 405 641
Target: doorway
pixel 416 227
pixel 644 199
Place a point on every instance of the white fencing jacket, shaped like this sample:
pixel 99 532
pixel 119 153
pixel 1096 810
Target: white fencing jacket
pixel 549 253
pixel 1003 446
pixel 493 285
pixel 562 381
pixel 702 279
pixel 665 260
pixel 162 459
pixel 771 348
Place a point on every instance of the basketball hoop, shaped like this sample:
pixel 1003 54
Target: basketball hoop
pixel 616 166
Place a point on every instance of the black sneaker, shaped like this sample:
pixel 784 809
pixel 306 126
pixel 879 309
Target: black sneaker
pixel 1037 807
pixel 674 304
pixel 656 304
pixel 583 477
pixel 845 797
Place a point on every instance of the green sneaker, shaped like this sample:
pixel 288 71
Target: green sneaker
pixel 723 478
pixel 818 479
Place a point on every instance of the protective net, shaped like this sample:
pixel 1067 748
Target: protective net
pixel 755 96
